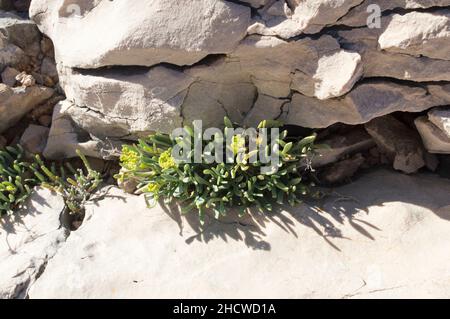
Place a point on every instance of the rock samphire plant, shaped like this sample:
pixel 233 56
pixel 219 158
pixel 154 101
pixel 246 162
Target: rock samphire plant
pixel 18 176
pixel 204 186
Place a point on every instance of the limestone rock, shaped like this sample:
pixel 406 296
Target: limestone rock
pixel 434 139
pixel 25 79
pixel 180 32
pixel 117 104
pixel 379 63
pixel 342 144
pixel 343 170
pixel 418 34
pixel 441 118
pixel 65 137
pixel 265 108
pixel 28 240
pixel 308 16
pixel 361 248
pixel 34 139
pixel 16 102
pixel 358 16
pixel 9 76
pixel 400 142
pixel 365 102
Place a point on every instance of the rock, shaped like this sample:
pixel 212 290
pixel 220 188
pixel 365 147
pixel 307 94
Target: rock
pixel 177 32
pixel 434 139
pixel 343 170
pixel 357 16
pixel 256 3
pixel 45 120
pixel 28 240
pixel 368 100
pixel 25 80
pixel 9 76
pixel 117 104
pixel 393 65
pixel 265 108
pixel 361 243
pixel 6 5
pixel 34 139
pixel 65 137
pixel 400 142
pixel 22 5
pixel 48 68
pixel 441 118
pixel 340 145
pixel 47 47
pixel 418 34
pixel 308 16
pixel 16 102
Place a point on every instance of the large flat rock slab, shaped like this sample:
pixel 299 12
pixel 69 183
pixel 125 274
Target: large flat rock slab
pixel 385 235
pixel 28 240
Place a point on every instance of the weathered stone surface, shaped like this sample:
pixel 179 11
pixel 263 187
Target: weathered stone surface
pixel 441 118
pixel 361 248
pixel 417 34
pixel 358 16
pixel 65 137
pixel 340 145
pixel 393 65
pixel 117 104
pixel 434 139
pixel 9 76
pixel 308 16
pixel 399 141
pixel 34 139
pixel 16 102
pixel 343 170
pixel 28 240
pixel 179 32
pixel 365 102
pixel 266 108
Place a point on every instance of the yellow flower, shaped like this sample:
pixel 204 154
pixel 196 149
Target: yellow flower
pixel 153 188
pixel 166 160
pixel 129 158
pixel 238 143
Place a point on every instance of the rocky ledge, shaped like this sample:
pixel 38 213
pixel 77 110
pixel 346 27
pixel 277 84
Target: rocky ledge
pixel 359 242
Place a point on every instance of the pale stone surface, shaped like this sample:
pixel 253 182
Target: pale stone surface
pixel 358 16
pixel 378 63
pixel 418 33
pixel 65 137
pixel 361 248
pixel 308 16
pixel 434 139
pixel 441 118
pixel 180 32
pixel 16 102
pixel 400 142
pixel 28 240
pixel 365 102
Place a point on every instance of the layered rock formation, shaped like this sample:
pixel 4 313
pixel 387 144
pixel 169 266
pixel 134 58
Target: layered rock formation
pixel 311 63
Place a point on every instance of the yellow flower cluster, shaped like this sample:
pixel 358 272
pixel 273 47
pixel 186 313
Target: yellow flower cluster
pixel 129 158
pixel 237 144
pixel 166 160
pixel 153 188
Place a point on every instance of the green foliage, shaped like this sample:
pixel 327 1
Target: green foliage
pixel 16 181
pixel 75 187
pixel 218 186
pixel 18 177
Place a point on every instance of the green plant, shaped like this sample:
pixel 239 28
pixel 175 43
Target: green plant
pixel 75 188
pixel 16 181
pixel 218 186
pixel 18 177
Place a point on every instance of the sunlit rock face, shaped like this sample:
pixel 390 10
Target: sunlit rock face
pixel 312 63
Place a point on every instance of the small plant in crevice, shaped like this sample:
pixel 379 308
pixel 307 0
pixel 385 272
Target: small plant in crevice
pixel 16 181
pixel 219 185
pixel 74 185
pixel 19 176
